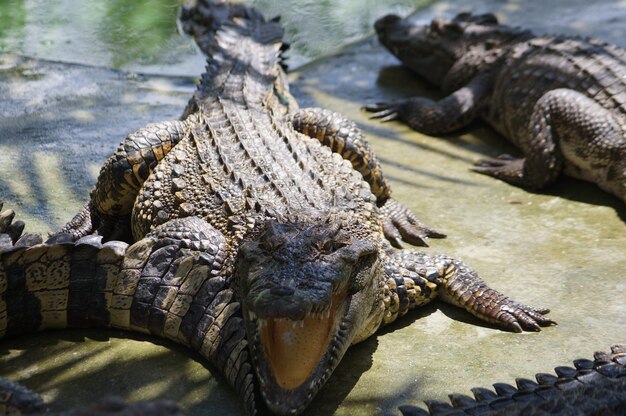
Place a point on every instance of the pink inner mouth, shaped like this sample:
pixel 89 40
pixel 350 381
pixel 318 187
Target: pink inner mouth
pixel 294 348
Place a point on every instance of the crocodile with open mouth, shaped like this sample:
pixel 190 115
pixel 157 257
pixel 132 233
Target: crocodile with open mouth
pixel 258 235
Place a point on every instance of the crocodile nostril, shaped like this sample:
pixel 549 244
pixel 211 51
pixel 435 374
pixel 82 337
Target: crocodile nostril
pixel 282 291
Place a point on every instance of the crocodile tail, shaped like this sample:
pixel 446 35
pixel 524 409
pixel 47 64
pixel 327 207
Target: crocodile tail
pixel 241 45
pixel 57 284
pixel 203 19
pixel 588 387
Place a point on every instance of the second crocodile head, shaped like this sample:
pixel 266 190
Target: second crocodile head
pixel 432 49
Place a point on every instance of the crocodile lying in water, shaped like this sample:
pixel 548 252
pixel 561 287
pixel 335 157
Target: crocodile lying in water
pixel 560 100
pixel 257 236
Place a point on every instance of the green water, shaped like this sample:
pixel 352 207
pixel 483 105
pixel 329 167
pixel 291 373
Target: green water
pixel 142 35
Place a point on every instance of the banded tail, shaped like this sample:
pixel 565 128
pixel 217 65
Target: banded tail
pixel 170 284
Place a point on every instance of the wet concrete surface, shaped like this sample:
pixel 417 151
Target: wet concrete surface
pixel 60 121
pixel 563 248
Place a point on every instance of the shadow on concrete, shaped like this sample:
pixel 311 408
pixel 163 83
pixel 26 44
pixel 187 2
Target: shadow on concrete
pixel 74 365
pixel 59 122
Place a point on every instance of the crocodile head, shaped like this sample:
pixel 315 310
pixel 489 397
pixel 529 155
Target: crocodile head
pixel 432 49
pixel 307 289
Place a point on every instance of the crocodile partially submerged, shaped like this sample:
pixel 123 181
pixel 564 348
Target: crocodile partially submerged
pixel 561 100
pixel 258 235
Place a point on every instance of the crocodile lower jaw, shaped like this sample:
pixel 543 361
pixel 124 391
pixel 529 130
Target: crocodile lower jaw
pixel 294 359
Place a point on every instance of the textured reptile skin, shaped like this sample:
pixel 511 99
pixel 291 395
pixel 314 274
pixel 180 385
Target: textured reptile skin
pixel 561 100
pixel 252 244
pixel 590 387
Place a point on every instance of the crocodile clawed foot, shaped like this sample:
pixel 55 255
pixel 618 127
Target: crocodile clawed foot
pixel 384 111
pixel 83 223
pixel 505 168
pixel 11 232
pixel 519 317
pixel 400 224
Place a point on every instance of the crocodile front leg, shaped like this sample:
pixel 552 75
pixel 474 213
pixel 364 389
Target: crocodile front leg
pixel 345 138
pixel 567 128
pixel 437 117
pixel 120 179
pixel 415 278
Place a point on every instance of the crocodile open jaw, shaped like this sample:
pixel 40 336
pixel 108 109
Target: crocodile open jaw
pixel 294 348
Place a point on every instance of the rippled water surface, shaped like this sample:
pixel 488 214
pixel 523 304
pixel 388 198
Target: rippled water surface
pixel 142 34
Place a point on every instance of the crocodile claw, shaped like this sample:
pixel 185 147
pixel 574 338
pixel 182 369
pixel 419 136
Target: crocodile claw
pixel 10 232
pixel 519 317
pixel 504 167
pixel 384 111
pixel 400 224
